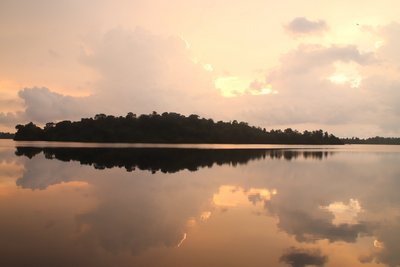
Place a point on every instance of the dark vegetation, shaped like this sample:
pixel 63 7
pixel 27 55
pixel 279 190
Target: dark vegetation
pixel 372 141
pixel 6 135
pixel 167 160
pixel 166 128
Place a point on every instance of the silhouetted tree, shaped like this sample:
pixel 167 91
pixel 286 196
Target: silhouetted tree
pixel 29 132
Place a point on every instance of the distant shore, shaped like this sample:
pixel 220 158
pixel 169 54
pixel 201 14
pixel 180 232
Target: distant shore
pixel 377 140
pixel 6 135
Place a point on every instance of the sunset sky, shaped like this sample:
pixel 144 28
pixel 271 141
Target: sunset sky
pixel 306 64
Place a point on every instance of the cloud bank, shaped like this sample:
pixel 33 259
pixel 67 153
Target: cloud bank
pixel 337 87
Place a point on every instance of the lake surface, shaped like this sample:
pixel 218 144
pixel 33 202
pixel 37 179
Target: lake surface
pixel 205 205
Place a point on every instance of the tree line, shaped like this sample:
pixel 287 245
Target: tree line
pixel 377 140
pixel 6 135
pixel 168 127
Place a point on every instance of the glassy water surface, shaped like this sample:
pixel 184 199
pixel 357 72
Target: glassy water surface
pixel 208 205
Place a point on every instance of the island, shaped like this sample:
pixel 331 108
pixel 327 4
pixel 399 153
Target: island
pixel 168 127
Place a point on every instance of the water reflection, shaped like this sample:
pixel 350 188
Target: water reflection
pixel 166 160
pixel 343 210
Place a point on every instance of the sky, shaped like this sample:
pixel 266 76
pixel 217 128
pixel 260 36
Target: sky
pixel 333 65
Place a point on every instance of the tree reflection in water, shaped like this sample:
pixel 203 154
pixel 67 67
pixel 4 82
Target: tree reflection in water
pixel 166 160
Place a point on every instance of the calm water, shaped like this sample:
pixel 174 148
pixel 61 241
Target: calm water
pixel 207 205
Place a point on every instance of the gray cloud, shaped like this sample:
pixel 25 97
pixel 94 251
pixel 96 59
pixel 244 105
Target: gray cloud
pixel 388 238
pixel 308 57
pixel 134 227
pixel 297 257
pixel 42 105
pixel 308 229
pixel 9 119
pixel 39 174
pixel 303 26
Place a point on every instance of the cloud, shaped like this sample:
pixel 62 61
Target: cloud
pixel 296 257
pixel 42 105
pixel 39 174
pixel 9 118
pixel 142 72
pixel 138 72
pixel 133 213
pixel 386 246
pixel 389 38
pixel 339 88
pixel 304 93
pixel 303 26
pixel 308 229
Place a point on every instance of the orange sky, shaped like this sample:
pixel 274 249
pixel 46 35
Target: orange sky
pixel 275 64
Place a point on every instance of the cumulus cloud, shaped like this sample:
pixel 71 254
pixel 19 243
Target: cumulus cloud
pixel 304 93
pixel 42 105
pixel 304 26
pixel 297 257
pixel 336 87
pixel 308 229
pixel 138 72
pixel 142 72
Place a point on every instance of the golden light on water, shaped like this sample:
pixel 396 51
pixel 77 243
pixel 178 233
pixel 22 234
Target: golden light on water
pixel 345 213
pixel 234 196
pixel 183 239
pixel 205 216
pixel 378 244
